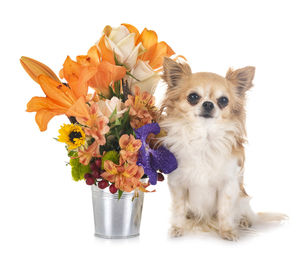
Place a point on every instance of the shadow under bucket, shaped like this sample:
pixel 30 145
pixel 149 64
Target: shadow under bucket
pixel 116 218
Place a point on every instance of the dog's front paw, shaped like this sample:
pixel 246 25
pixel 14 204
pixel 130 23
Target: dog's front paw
pixel 176 231
pixel 231 235
pixel 245 223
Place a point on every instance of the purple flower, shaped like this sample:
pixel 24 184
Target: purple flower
pixel 154 159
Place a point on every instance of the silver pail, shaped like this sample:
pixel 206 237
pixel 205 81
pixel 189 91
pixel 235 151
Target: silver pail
pixel 116 218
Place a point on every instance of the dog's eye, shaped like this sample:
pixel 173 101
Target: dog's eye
pixel 223 102
pixel 193 98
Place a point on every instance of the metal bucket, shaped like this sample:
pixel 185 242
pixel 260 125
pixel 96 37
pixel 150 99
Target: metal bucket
pixel 116 218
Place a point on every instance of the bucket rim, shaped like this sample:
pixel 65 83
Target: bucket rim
pixel 107 194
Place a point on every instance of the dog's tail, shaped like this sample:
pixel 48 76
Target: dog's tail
pixel 262 217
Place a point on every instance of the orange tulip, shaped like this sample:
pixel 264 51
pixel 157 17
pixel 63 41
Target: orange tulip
pixel 132 29
pixel 106 54
pixel 155 51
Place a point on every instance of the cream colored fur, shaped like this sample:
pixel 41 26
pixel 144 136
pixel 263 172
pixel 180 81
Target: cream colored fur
pixel 207 188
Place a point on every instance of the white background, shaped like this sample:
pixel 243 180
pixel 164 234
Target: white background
pixel 44 212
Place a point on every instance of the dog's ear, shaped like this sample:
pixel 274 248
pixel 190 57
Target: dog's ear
pixel 241 78
pixel 174 72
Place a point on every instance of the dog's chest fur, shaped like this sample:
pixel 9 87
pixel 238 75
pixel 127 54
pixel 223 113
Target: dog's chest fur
pixel 204 154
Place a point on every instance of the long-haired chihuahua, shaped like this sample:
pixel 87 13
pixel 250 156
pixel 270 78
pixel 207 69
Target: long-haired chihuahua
pixel 204 118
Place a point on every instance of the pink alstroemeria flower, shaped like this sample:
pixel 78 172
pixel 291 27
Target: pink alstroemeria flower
pixel 98 130
pixel 126 177
pixel 95 127
pixel 85 156
pixel 129 148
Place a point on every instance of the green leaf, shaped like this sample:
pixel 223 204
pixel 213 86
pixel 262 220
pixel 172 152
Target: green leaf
pixel 117 122
pixel 129 74
pixel 113 114
pixel 111 92
pixel 118 63
pixel 120 193
pixel 125 123
pixel 102 96
pixel 117 88
pixel 112 156
pixel 125 119
pixel 78 170
pixel 72 154
pixel 116 60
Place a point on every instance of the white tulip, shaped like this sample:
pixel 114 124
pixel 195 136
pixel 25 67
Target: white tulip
pixel 117 34
pixel 121 41
pixel 146 78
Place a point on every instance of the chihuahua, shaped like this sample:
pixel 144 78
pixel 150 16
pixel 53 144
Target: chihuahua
pixel 204 118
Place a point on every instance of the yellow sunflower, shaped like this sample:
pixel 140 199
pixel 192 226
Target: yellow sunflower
pixel 72 135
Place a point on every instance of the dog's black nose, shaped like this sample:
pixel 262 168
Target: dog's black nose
pixel 208 106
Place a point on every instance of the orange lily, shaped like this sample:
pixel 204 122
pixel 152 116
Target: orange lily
pixel 155 51
pixel 60 98
pixel 77 76
pixel 35 68
pixel 101 65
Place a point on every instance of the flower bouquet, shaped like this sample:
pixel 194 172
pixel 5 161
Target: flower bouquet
pixel 107 96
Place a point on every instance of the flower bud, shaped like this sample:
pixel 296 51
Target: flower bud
pixel 35 69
